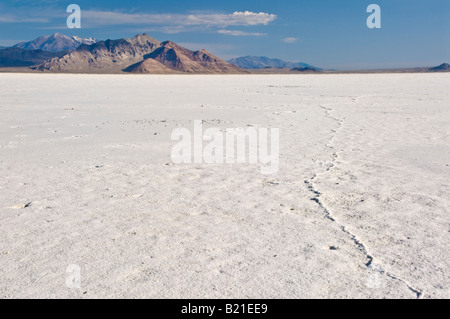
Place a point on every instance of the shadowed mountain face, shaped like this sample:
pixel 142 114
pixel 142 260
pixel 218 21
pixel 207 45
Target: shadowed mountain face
pixel 254 62
pixel 172 58
pixel 105 57
pixel 55 43
pixel 149 66
pixel 17 57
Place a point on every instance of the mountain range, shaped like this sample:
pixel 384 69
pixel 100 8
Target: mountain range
pixel 262 62
pixel 55 43
pixel 144 54
pixel 140 54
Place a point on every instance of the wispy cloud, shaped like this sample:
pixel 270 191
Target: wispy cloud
pixel 209 19
pixel 241 33
pixel 9 18
pixel 290 40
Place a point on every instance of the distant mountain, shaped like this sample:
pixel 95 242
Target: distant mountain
pixel 170 58
pixel 254 62
pixel 443 67
pixel 110 56
pixel 55 43
pixel 17 57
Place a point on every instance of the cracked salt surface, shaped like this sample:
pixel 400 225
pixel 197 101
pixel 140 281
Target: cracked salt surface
pixel 359 208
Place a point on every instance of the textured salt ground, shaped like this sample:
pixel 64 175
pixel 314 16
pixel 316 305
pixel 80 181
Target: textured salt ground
pixel 358 209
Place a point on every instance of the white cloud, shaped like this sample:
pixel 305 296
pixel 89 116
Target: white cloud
pixel 210 19
pixel 290 40
pixel 251 18
pixel 241 33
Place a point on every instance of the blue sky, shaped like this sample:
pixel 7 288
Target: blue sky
pixel 325 33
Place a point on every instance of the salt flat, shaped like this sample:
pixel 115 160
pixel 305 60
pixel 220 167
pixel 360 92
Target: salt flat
pixel 359 207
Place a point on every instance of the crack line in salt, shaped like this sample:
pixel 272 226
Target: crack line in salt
pixel 361 246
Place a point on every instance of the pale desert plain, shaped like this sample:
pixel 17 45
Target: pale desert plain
pixel 358 209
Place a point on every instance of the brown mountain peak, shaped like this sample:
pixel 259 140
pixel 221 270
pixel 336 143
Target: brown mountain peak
pixel 179 59
pixel 143 38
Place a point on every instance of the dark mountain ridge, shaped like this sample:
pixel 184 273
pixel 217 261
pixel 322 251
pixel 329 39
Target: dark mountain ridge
pixel 17 57
pixel 255 62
